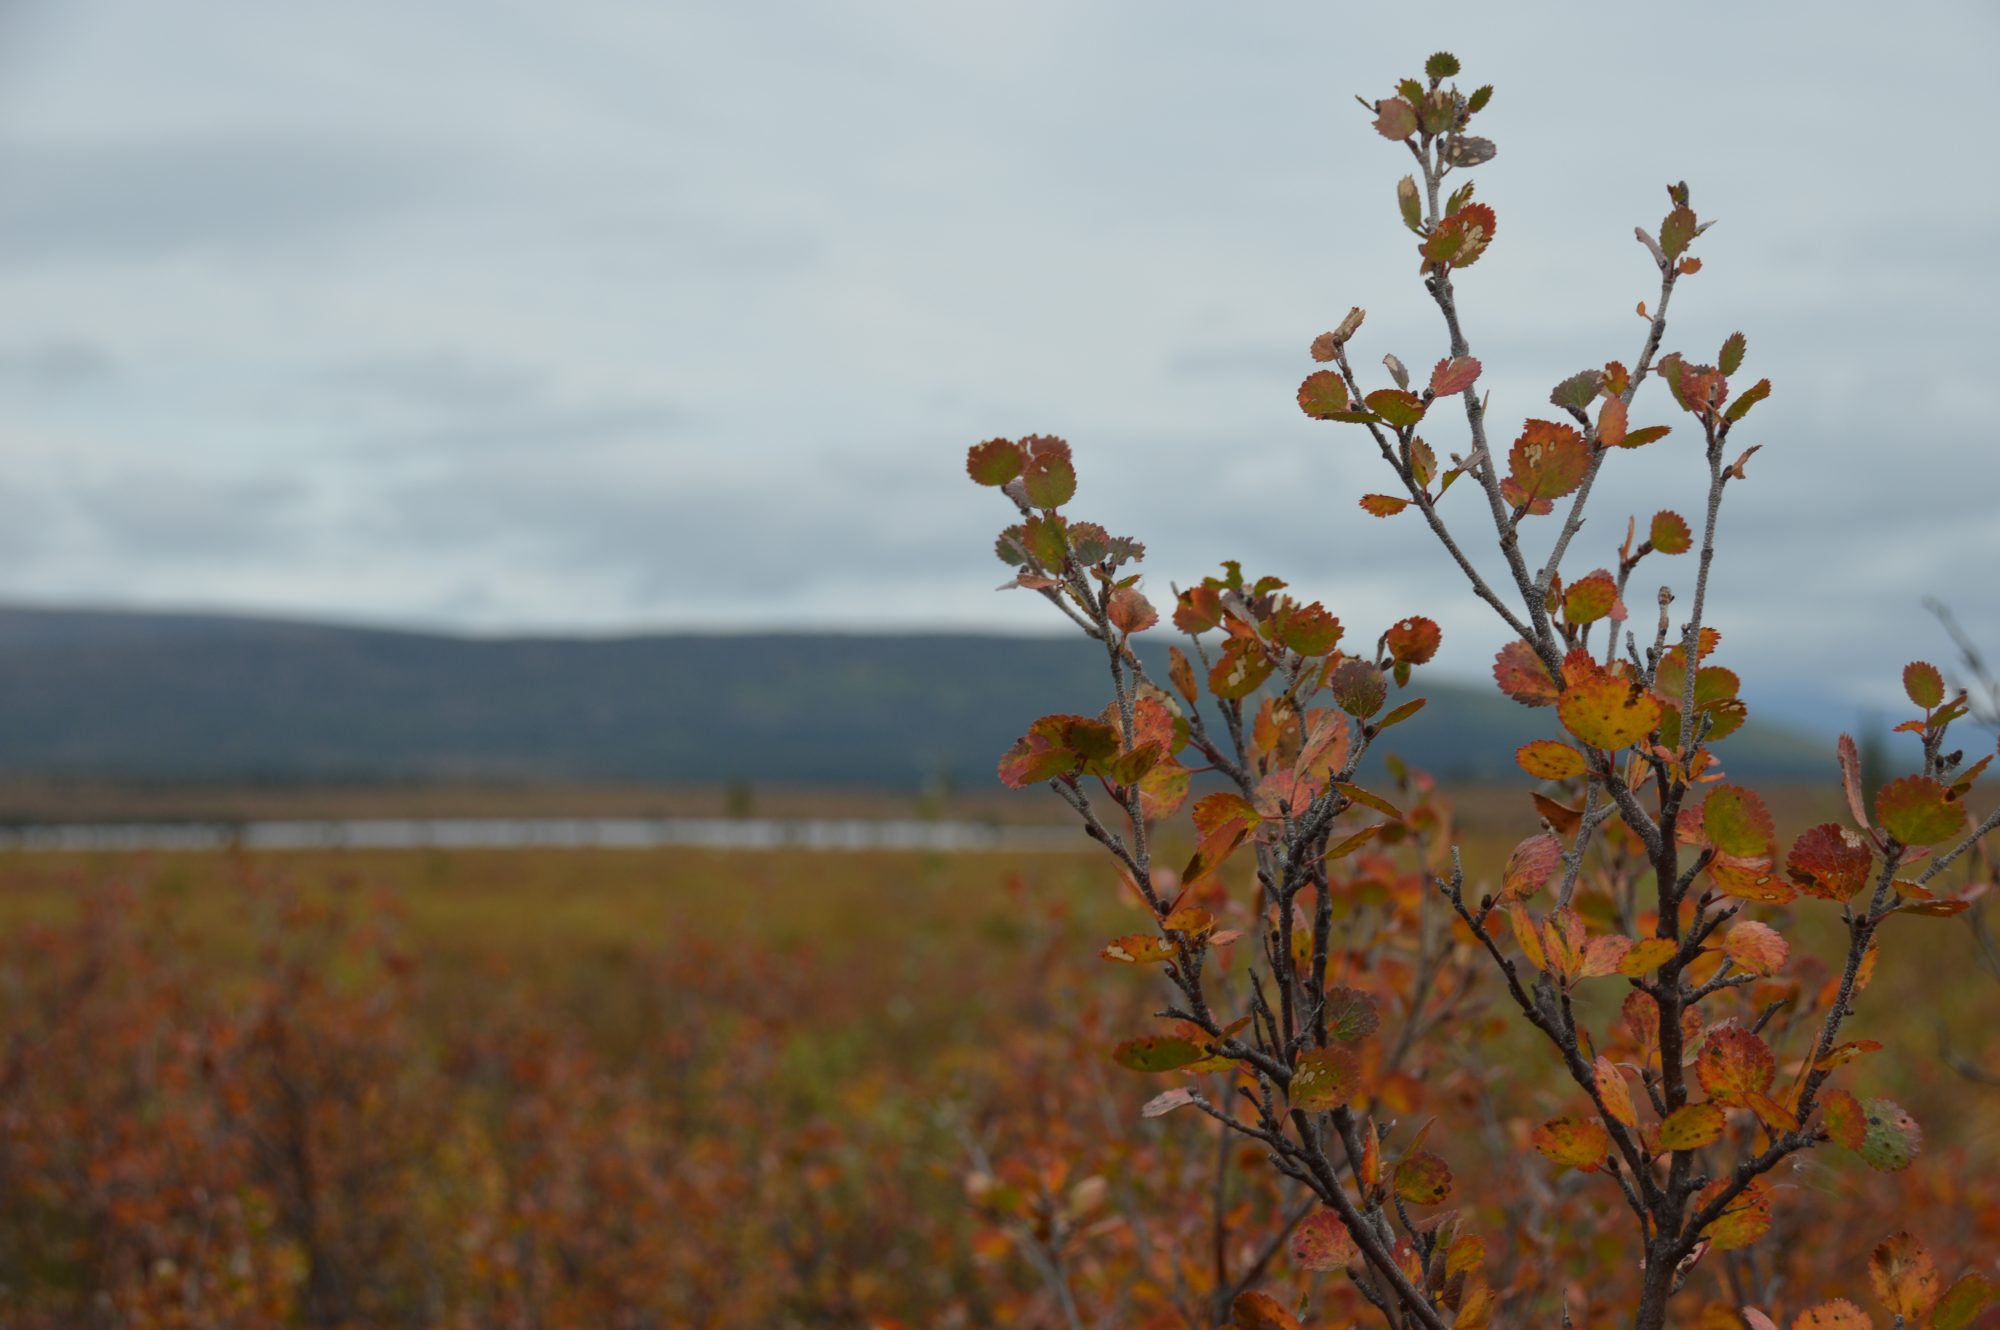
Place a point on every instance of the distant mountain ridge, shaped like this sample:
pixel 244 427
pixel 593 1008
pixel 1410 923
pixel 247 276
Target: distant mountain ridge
pixel 156 696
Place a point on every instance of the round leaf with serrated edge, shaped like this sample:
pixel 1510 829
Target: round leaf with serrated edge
pixel 1413 640
pixel 1523 677
pixel 1923 683
pixel 994 462
pixel 1733 1065
pixel 1590 597
pixel 1323 1080
pixel 1399 408
pixel 1839 1314
pixel 1830 861
pixel 1049 479
pixel 1546 759
pixel 1351 1014
pixel 1905 1277
pixel 1691 1126
pixel 1736 821
pixel 1422 1178
pixel 1746 1218
pixel 1578 391
pixel 1605 710
pixel 1322 1243
pixel 1548 460
pixel 1323 395
pixel 1395 118
pixel 1669 533
pixel 1462 237
pixel 1916 810
pixel 1891 1137
pixel 1157 1053
pixel 1647 955
pixel 1579 1143
pixel 1758 948
pixel 1260 1311
pixel 1359 687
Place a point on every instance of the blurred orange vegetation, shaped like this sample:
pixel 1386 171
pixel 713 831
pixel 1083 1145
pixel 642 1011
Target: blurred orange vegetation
pixel 667 1089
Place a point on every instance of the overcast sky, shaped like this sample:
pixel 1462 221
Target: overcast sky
pixel 613 316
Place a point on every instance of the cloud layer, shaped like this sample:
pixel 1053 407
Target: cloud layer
pixel 638 315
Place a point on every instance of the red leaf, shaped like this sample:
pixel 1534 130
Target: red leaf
pixel 1454 376
pixel 1547 461
pixel 1522 676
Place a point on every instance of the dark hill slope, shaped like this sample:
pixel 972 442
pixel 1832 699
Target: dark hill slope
pixel 85 693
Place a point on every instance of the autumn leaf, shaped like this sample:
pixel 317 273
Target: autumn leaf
pixel 1923 683
pixel 1746 1218
pixel 1916 810
pixel 1323 395
pixel 1839 1314
pixel 1422 1178
pixel 1383 505
pixel 1607 710
pixel 1669 533
pixel 1454 376
pixel 1736 821
pixel 1322 1243
pixel 1545 759
pixel 1413 641
pixel 1533 862
pixel 1157 1053
pixel 1590 597
pixel 1547 462
pixel 1461 238
pixel 1891 1138
pixel 1690 1127
pixel 1579 1143
pixel 1049 478
pixel 1830 861
pixel 1734 1065
pixel 1616 1094
pixel 1129 611
pixel 1523 677
pixel 994 462
pixel 1756 947
pixel 1323 1079
pixel 1905 1277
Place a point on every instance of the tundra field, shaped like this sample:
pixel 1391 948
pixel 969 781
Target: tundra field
pixel 582 1088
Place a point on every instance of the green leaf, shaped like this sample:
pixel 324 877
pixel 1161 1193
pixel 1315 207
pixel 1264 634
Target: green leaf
pixel 1050 479
pixel 1892 1138
pixel 1480 97
pixel 1157 1053
pixel 1731 358
pixel 1324 1079
pixel 1677 231
pixel 1578 391
pixel 1917 810
pixel 1422 1178
pixel 1443 65
pixel 1399 408
pixel 1736 821
pixel 1752 395
pixel 1923 683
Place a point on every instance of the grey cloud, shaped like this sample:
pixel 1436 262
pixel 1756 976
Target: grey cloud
pixel 225 195
pixel 57 365
pixel 157 514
